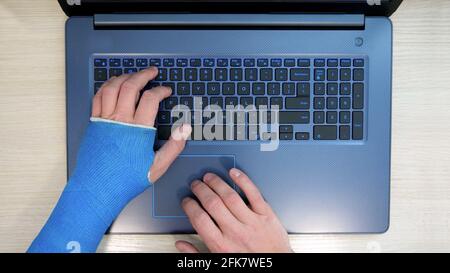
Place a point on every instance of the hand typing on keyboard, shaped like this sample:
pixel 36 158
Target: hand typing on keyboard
pixel 226 224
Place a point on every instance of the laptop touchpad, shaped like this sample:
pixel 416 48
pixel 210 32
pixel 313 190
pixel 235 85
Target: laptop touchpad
pixel 174 185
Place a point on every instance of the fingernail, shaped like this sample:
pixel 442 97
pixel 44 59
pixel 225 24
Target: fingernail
pixel 195 183
pixel 235 172
pixel 185 130
pixel 153 68
pixel 208 176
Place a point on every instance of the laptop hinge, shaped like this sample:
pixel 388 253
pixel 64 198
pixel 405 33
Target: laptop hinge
pixel 291 21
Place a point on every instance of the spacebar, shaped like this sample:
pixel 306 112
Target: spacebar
pixel 293 117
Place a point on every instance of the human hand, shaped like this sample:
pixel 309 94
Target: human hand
pixel 116 100
pixel 226 224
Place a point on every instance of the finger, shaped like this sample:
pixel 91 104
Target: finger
pixel 257 202
pixel 202 223
pixel 130 89
pixel 97 105
pixel 149 104
pixel 229 196
pixel 214 205
pixel 165 156
pixel 110 93
pixel 185 247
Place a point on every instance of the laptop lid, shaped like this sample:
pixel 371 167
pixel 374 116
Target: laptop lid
pixel 367 7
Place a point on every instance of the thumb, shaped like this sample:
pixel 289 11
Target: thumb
pixel 165 156
pixel 185 247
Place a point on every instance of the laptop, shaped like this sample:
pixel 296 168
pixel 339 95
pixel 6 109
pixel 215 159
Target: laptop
pixel 324 67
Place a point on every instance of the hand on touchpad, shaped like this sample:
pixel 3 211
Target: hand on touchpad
pixel 174 185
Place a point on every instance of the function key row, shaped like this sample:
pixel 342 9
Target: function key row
pixel 225 62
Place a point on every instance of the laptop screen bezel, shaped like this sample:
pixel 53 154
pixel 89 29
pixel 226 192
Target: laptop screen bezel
pixel 367 7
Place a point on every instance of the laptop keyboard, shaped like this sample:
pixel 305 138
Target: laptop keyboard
pixel 319 98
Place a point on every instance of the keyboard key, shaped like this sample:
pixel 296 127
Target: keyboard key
pixel 236 62
pixel 357 125
pixel 208 62
pixel 163 117
pixel 297 103
pixel 358 74
pixel 236 74
pixel 231 101
pixel 246 101
pixel 187 101
pixel 319 89
pixel 346 62
pixel 176 74
pixel 276 62
pixel 303 89
pixel 243 89
pixel 289 89
pixel 286 129
pixel 129 70
pixel 332 74
pixel 196 62
pixel 319 74
pixel 286 136
pixel 114 62
pixel 261 101
pixel 169 62
pixel 198 89
pixel 273 89
pixel 259 88
pixel 332 89
pixel 170 103
pixel 358 62
pixel 345 88
pixel 358 96
pixel 100 74
pixel 304 62
pixel 249 62
pixel 344 103
pixel 276 101
pixel 319 103
pixel 228 88
pixel 182 62
pixel 344 132
pixel 183 88
pixel 294 117
pixel 251 74
pixel 262 62
pixel 213 88
pixel 216 101
pixel 332 103
pixel 190 74
pixel 344 117
pixel 299 74
pixel 346 74
pixel 302 136
pixel 332 62
pixel 155 62
pixel 332 117
pixel 281 74
pixel 128 62
pixel 221 74
pixel 266 74
pixel 222 62
pixel 319 117
pixel 206 74
pixel 319 62
pixel 100 62
pixel 325 132
pixel 289 62
pixel 141 62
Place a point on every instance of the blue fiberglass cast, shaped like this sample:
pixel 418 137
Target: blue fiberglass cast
pixel 112 169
